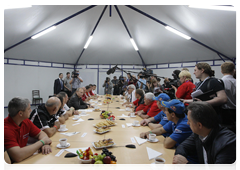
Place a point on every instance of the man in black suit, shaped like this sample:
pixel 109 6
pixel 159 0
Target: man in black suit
pixel 58 84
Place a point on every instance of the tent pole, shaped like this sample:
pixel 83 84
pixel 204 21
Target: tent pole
pixel 92 32
pixel 164 24
pixel 58 23
pixel 143 63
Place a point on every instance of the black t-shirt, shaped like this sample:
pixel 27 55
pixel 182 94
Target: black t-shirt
pixel 209 84
pixel 41 118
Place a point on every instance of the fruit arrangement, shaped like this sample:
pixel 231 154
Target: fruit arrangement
pixel 106 157
pixel 85 155
pixel 107 101
pixel 105 114
pixel 111 117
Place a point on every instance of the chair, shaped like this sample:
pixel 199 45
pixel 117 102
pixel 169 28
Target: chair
pixel 36 96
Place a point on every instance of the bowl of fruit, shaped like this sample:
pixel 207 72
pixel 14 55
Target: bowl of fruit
pixel 85 156
pixel 111 117
pixel 106 157
pixel 105 114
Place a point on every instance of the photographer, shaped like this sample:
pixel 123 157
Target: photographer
pixel 108 86
pixel 115 85
pixel 76 81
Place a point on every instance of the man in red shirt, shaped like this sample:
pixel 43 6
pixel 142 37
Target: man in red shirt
pixel 151 108
pixel 17 129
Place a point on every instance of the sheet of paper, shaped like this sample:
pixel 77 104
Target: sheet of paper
pixel 123 126
pixel 75 124
pixel 79 120
pixel 70 133
pixel 129 124
pixel 73 150
pixel 133 140
pixel 123 115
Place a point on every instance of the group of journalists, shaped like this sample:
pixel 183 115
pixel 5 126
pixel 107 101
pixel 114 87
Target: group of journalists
pixel 198 120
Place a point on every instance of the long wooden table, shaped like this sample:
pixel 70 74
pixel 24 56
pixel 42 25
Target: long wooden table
pixel 121 136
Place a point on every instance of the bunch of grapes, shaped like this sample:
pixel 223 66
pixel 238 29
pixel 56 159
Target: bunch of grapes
pixel 106 152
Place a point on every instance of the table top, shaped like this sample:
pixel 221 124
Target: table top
pixel 121 136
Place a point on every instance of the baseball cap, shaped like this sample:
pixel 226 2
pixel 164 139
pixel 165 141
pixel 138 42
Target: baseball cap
pixel 175 105
pixel 162 96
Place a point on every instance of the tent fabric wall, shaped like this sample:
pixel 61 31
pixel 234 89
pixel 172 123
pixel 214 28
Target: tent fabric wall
pixel 20 80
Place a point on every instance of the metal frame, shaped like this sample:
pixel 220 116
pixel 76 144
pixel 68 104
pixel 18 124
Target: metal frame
pixel 193 39
pixel 119 13
pixel 58 23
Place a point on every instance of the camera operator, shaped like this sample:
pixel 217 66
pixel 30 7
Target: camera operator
pixel 175 82
pixel 115 85
pixel 132 80
pixel 108 86
pixel 76 81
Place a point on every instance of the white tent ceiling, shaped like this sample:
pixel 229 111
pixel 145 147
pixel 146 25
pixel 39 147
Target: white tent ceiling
pixel 111 42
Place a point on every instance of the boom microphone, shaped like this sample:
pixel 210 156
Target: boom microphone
pixel 111 70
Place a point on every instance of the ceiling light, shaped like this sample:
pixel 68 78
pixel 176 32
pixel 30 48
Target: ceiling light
pixel 16 6
pixel 216 7
pixel 88 42
pixel 178 33
pixel 43 32
pixel 134 44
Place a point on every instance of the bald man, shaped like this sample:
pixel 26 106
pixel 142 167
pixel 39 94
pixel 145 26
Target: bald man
pixel 44 116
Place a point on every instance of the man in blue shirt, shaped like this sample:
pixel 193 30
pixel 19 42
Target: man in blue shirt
pixel 141 81
pixel 160 119
pixel 177 124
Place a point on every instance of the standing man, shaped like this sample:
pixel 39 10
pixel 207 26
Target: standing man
pixel 67 85
pixel 76 81
pixel 115 85
pixel 211 143
pixel 17 129
pixel 108 86
pixel 58 84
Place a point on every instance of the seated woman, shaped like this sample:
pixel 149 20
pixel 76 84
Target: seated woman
pixel 186 88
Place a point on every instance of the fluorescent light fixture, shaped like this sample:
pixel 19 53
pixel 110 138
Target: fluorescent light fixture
pixel 134 44
pixel 44 32
pixel 215 7
pixel 16 6
pixel 88 42
pixel 178 33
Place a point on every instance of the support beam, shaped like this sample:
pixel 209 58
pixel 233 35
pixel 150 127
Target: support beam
pixel 58 23
pixel 92 32
pixel 143 63
pixel 164 24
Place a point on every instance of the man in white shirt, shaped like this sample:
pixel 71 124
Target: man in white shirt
pixel 229 113
pixel 131 94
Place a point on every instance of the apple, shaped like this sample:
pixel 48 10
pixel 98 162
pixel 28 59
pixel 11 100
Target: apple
pixel 98 165
pixel 107 160
pixel 92 161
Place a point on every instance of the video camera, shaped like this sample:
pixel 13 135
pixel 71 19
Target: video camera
pixel 146 73
pixel 75 74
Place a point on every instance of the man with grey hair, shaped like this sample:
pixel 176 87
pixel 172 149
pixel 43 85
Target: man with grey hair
pixel 209 142
pixel 44 116
pixel 151 108
pixel 17 129
pixel 131 94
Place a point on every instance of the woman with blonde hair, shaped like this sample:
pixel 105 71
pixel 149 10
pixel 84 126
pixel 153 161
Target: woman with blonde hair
pixel 186 88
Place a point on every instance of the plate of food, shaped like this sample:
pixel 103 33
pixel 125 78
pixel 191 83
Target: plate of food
pixel 96 110
pixel 105 143
pixel 85 156
pixel 105 123
pixel 102 130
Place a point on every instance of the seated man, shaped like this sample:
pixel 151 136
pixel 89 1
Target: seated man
pixel 177 124
pixel 67 111
pixel 160 117
pixel 44 116
pixel 84 96
pixel 61 114
pixel 151 108
pixel 76 100
pixel 210 142
pixel 94 89
pixel 131 94
pixel 17 129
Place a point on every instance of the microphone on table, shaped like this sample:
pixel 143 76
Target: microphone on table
pixel 111 70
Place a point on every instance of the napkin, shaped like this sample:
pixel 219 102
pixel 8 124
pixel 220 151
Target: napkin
pixel 123 115
pixel 46 168
pixel 79 120
pixel 140 140
pixel 84 115
pixel 152 153
pixel 73 150
pixel 70 133
pixel 85 110
pixel 121 109
pixel 129 124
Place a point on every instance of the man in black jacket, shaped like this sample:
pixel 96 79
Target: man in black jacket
pixel 76 100
pixel 58 84
pixel 211 143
